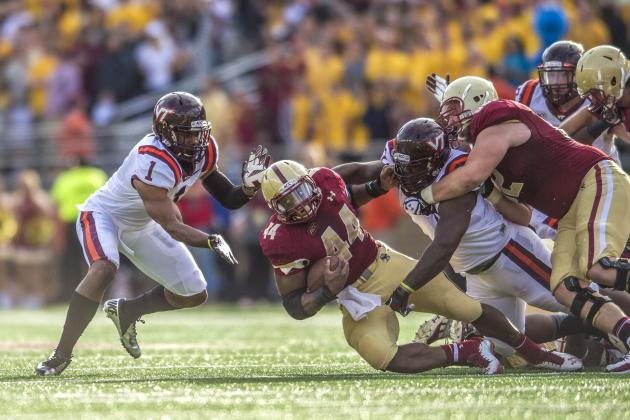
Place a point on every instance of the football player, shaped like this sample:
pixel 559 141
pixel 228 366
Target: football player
pixel 539 165
pixel 314 218
pixel 505 264
pixel 602 75
pixel 135 213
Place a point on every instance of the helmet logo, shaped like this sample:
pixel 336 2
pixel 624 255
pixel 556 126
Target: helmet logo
pixel 401 157
pixel 162 113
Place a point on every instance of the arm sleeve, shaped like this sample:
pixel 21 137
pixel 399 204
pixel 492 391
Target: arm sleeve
pixel 387 157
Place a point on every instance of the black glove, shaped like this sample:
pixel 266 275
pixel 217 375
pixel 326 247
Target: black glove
pixel 399 301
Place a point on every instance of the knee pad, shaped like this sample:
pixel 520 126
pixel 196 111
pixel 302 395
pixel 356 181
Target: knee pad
pixel 622 265
pixel 583 295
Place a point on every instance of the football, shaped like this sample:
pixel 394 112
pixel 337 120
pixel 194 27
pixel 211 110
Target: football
pixel 315 276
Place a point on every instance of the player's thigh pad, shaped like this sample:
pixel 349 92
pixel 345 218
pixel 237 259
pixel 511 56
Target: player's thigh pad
pixel 602 222
pixel 374 337
pixel 163 259
pixel 441 296
pixel 98 236
pixel 388 270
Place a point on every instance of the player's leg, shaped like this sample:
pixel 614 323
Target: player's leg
pixel 98 237
pixel 442 297
pixel 374 338
pixel 591 235
pixel 171 265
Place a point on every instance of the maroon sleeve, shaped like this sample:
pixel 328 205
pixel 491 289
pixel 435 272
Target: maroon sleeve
pixel 286 249
pixel 493 113
pixel 626 120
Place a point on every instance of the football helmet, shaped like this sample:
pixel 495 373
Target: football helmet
pixel 461 99
pixel 290 192
pixel 179 120
pixel 557 71
pixel 602 73
pixel 419 153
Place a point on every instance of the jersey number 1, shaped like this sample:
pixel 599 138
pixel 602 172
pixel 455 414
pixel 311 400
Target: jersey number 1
pixel 151 166
pixel 333 243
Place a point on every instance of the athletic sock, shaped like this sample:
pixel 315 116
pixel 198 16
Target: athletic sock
pixel 149 302
pixel 622 330
pixel 80 313
pixel 530 351
pixel 458 353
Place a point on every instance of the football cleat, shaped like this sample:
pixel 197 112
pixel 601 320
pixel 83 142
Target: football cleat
pixel 563 362
pixel 439 327
pixel 622 366
pixel 485 358
pixel 54 365
pixel 127 337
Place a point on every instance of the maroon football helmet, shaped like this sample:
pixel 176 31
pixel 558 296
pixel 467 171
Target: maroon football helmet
pixel 420 152
pixel 557 71
pixel 179 120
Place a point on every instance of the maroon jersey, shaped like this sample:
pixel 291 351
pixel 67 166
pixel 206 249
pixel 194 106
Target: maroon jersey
pixel 546 171
pixel 626 119
pixel 335 230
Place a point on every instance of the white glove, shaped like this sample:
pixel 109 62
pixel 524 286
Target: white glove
pixel 221 247
pixel 254 169
pixel 437 85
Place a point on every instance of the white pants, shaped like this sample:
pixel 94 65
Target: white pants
pixel 151 249
pixel 520 276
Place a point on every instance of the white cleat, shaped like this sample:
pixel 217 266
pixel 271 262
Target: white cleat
pixel 127 337
pixel 486 359
pixel 622 366
pixel 439 327
pixel 562 362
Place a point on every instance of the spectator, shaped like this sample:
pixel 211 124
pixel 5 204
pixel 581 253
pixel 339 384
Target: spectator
pixel 155 57
pixel 74 138
pixel 64 86
pixel 516 65
pixel 8 229
pixel 35 276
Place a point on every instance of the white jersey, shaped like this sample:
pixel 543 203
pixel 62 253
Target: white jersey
pixel 152 163
pixel 530 93
pixel 546 227
pixel 487 232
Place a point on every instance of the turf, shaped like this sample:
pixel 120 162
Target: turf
pixel 225 362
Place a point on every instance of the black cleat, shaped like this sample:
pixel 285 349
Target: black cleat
pixel 54 365
pixel 128 336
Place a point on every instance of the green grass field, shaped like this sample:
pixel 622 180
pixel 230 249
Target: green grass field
pixel 224 362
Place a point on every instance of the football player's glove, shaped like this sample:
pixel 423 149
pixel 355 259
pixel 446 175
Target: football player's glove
pixel 399 301
pixel 437 85
pixel 254 169
pixel 608 114
pixel 221 247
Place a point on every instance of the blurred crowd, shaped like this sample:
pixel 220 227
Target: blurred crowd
pixel 338 78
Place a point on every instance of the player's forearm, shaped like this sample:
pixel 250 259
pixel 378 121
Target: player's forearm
pixel 576 122
pixel 513 211
pixel 229 195
pixel 301 305
pixel 187 234
pixel 358 172
pixel 364 193
pixel 433 262
pixel 453 185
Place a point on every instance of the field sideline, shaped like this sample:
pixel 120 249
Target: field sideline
pixel 220 362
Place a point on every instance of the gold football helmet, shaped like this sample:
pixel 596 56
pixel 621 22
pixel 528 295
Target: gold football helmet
pixel 290 192
pixel 462 98
pixel 602 73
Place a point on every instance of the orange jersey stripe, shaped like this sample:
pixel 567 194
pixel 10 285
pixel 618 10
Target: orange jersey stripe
pixel 89 241
pixel 211 158
pixel 528 92
pixel 164 157
pixel 528 261
pixel 456 163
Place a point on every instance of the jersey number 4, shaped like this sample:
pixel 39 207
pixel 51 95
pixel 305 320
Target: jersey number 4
pixel 514 189
pixel 333 243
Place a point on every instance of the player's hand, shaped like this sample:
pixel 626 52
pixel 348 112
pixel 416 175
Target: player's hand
pixel 399 302
pixel 221 247
pixel 388 178
pixel 609 114
pixel 336 279
pixel 437 85
pixel 254 169
pixel 416 205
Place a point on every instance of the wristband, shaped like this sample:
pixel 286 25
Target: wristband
pixel 596 128
pixel 374 189
pixel 323 295
pixel 406 288
pixel 427 195
pixel 495 196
